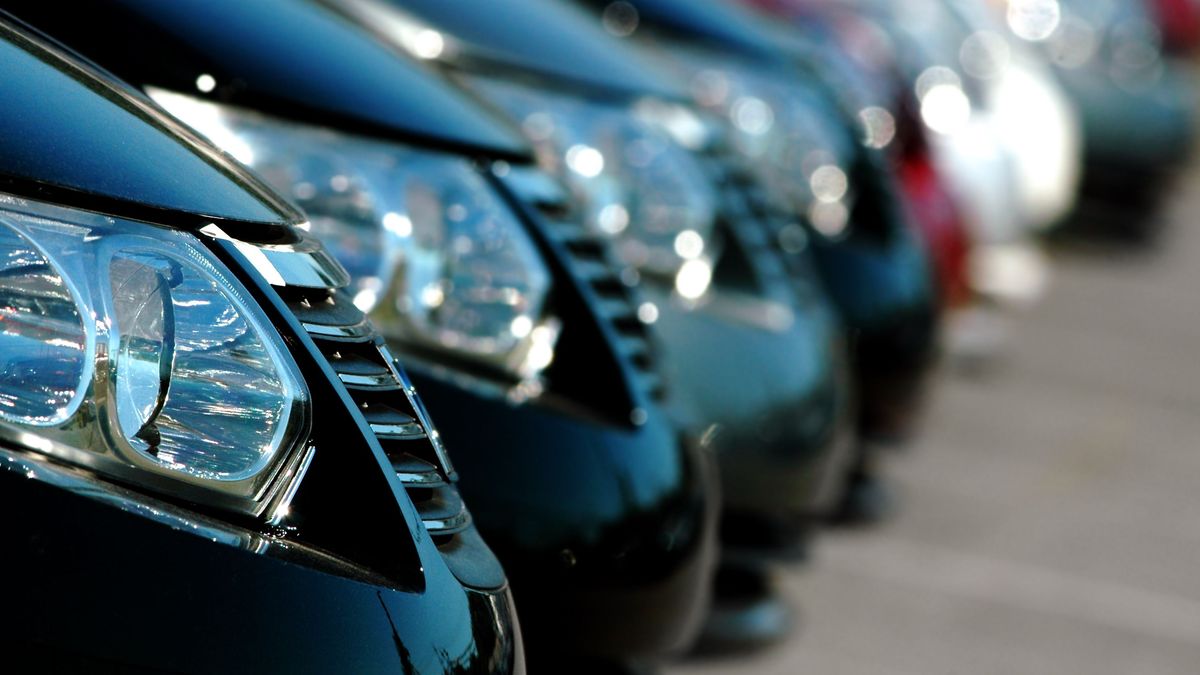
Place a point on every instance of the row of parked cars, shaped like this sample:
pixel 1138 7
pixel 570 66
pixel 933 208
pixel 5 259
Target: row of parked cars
pixel 669 275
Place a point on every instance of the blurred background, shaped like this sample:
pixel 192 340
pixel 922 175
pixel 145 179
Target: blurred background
pixel 1050 518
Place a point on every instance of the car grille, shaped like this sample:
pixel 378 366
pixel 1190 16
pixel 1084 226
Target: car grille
pixel 592 262
pixel 387 401
pixel 312 286
pixel 758 227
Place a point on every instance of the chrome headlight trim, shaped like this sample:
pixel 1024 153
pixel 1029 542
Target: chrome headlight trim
pixel 187 357
pixel 436 258
pixel 632 168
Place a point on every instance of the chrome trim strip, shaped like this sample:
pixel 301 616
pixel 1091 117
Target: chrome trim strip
pixel 418 406
pixel 283 506
pixel 427 479
pixel 84 484
pixel 386 381
pixel 359 330
pixel 304 264
pixel 443 526
pixel 410 431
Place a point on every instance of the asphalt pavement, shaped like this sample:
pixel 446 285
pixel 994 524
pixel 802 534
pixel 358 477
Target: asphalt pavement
pixel 1050 518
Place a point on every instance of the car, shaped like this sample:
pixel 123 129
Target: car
pixel 755 358
pixel 1137 103
pixel 998 129
pixel 524 346
pixel 175 443
pixel 791 127
pixel 857 55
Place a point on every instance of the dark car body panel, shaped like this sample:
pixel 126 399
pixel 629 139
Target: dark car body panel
pixel 773 435
pixel 292 70
pixel 609 538
pixel 92 586
pixel 67 136
pixel 539 37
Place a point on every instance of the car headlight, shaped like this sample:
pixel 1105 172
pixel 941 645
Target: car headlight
pixel 788 135
pixel 137 355
pixel 637 185
pixel 437 260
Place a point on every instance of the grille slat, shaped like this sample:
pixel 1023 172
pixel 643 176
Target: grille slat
pixel 755 221
pixel 349 364
pixel 364 365
pixel 415 472
pixel 383 414
pixel 442 510
pixel 313 286
pixel 594 271
pixel 616 309
pixel 781 263
pixel 592 264
pixel 634 348
pixel 652 382
pixel 398 432
pixel 338 332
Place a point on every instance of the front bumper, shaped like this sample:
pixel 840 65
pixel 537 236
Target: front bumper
pixel 888 302
pixel 770 399
pixel 100 579
pixel 607 532
pixel 1134 136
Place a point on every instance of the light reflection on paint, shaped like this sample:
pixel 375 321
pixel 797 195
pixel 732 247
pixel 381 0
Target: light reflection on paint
pixel 585 160
pixel 1034 20
pixel 693 279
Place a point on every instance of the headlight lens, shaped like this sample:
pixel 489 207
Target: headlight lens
pixel 437 260
pixel 637 184
pixel 44 341
pixel 788 135
pixel 131 344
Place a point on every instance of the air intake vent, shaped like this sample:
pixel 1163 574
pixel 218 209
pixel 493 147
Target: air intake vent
pixel 385 398
pixel 748 216
pixel 780 226
pixel 591 262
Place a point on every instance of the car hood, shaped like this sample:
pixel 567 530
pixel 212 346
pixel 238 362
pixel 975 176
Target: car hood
pixel 72 135
pixel 720 25
pixel 544 38
pixel 288 58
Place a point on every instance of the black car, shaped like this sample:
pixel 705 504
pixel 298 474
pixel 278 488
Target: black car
pixel 793 127
pixel 754 356
pixel 1137 104
pixel 526 348
pixel 188 479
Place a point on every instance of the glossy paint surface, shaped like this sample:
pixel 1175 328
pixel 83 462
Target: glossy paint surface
pixel 605 532
pixel 132 583
pixel 771 404
pixel 285 58
pixel 546 36
pixel 68 136
pixel 92 587
pixel 716 24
